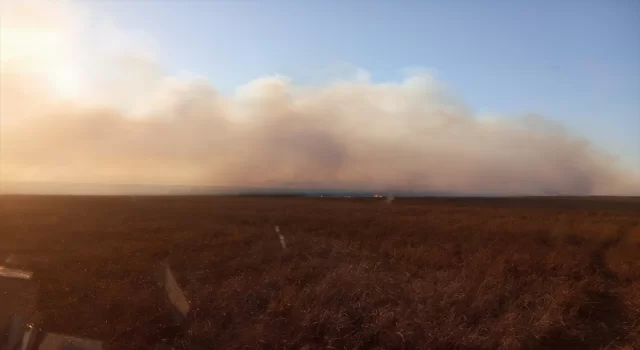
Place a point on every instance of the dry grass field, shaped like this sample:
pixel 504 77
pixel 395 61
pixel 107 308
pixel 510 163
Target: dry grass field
pixel 357 273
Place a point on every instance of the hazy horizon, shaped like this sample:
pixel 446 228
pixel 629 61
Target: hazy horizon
pixel 84 99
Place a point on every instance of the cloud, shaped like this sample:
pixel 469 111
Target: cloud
pixel 144 125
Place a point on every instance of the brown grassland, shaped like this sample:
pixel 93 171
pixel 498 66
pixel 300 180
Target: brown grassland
pixel 357 273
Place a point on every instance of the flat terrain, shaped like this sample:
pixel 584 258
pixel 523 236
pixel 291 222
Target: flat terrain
pixel 357 273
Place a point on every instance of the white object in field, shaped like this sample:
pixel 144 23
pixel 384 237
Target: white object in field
pixel 32 337
pixel 28 339
pixel 177 299
pixel 15 273
pixel 14 332
pixel 282 242
pixel 390 198
pixel 20 333
pixel 54 341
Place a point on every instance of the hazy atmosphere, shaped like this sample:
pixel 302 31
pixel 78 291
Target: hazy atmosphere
pixel 320 174
pixel 85 99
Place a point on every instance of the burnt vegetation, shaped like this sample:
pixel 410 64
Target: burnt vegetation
pixel 356 273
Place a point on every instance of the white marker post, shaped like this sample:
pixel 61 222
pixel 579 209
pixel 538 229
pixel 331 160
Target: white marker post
pixel 282 242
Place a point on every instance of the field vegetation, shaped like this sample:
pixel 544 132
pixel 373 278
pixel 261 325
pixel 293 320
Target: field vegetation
pixel 529 273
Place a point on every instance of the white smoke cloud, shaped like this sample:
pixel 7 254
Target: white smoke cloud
pixel 136 123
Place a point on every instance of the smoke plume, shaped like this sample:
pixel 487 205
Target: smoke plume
pixel 124 119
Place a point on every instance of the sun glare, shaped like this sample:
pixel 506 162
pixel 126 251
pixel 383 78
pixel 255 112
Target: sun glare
pixel 41 47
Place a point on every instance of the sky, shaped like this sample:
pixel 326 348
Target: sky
pixel 518 97
pixel 576 62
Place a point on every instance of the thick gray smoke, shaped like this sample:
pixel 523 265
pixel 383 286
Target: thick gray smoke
pixel 150 128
